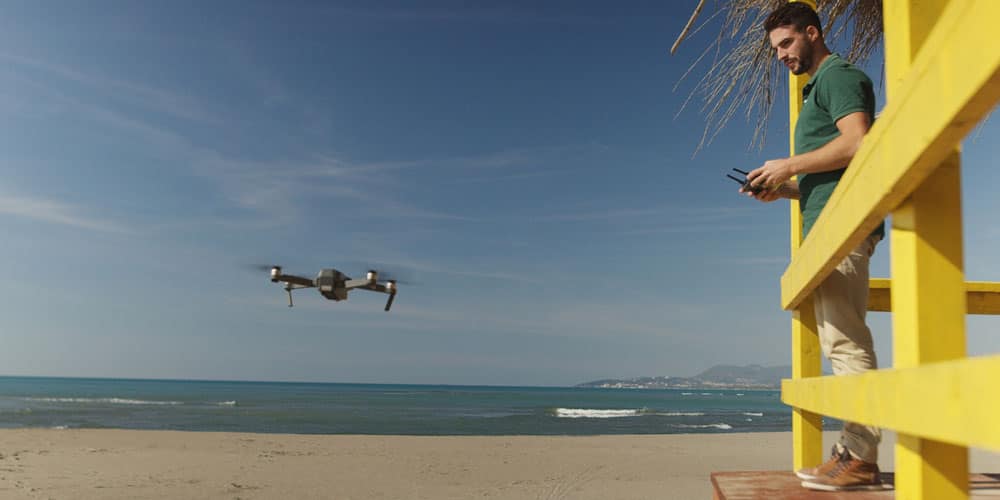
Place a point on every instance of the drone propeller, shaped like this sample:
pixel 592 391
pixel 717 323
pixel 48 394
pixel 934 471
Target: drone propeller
pixel 396 273
pixel 291 280
pixel 393 277
pixel 267 268
pixel 258 267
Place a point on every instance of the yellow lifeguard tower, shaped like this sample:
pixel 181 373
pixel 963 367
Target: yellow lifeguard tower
pixel 942 60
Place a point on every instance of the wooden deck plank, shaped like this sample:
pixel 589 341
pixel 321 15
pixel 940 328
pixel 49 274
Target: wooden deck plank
pixel 782 485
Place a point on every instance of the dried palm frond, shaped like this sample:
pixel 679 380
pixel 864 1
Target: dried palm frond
pixel 744 74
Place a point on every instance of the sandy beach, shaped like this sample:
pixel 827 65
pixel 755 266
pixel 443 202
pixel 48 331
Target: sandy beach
pixel 53 463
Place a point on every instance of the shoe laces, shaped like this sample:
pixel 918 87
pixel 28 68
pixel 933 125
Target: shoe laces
pixel 843 462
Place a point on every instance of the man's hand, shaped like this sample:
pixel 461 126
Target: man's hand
pixel 765 195
pixel 788 189
pixel 772 174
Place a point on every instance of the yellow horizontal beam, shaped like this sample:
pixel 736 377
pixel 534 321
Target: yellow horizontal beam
pixel 981 297
pixel 949 89
pixel 950 401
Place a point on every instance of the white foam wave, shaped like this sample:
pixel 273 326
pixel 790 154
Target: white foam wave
pixel 686 393
pixel 114 401
pixel 717 426
pixel 586 413
pixel 227 403
pixel 753 414
pixel 61 427
pixel 679 414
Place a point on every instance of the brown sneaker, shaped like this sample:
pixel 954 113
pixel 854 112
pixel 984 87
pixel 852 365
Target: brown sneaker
pixel 810 473
pixel 847 474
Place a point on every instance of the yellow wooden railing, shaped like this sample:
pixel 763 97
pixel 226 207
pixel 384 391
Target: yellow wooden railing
pixel 943 77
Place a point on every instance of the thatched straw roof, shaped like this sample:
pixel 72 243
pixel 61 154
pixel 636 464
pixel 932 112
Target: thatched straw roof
pixel 740 71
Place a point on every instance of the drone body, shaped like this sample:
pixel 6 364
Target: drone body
pixel 334 284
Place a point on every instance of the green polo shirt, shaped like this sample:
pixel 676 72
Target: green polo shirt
pixel 836 90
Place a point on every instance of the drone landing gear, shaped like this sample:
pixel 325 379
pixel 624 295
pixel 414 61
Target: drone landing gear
pixel 389 303
pixel 289 290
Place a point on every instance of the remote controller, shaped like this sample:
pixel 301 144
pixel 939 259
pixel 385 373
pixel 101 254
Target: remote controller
pixel 745 183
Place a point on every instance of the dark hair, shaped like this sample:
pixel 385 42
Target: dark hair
pixel 798 14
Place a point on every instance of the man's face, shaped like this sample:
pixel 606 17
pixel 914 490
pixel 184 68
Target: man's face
pixel 793 48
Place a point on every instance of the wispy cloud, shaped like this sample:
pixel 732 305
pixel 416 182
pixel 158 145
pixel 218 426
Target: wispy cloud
pixel 275 187
pixel 534 157
pixel 153 98
pixel 56 212
pixel 273 192
pixel 42 95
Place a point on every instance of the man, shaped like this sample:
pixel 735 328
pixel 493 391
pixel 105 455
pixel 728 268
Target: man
pixel 838 109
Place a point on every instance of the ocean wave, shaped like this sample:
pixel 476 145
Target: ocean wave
pixel 114 401
pixel 705 426
pixel 617 413
pixel 227 403
pixel 753 414
pixel 587 413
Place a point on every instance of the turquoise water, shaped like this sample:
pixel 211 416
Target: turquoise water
pixel 314 408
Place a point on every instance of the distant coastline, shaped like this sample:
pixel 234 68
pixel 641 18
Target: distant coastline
pixel 750 377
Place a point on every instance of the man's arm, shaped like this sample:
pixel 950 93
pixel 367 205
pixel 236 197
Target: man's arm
pixel 788 189
pixel 831 156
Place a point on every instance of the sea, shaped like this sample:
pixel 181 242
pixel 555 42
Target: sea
pixel 329 408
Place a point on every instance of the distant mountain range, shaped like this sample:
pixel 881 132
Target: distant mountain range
pixel 716 377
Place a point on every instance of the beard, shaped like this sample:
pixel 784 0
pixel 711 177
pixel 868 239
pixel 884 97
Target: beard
pixel 805 60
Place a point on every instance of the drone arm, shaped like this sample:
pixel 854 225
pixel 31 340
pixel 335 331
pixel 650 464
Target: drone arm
pixel 293 282
pixel 297 281
pixel 352 284
pixel 374 286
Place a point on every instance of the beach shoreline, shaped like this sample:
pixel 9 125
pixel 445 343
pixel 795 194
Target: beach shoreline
pixel 111 463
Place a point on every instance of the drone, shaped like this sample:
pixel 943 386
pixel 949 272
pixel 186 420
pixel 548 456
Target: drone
pixel 334 284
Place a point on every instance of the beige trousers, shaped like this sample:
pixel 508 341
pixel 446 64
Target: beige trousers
pixel 841 302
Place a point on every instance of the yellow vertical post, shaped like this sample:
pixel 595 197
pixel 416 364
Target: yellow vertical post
pixel 928 292
pixel 807 427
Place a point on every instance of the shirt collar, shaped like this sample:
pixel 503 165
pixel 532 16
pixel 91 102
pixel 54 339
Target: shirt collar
pixel 819 71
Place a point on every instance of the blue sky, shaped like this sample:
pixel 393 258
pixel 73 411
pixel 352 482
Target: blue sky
pixel 524 161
